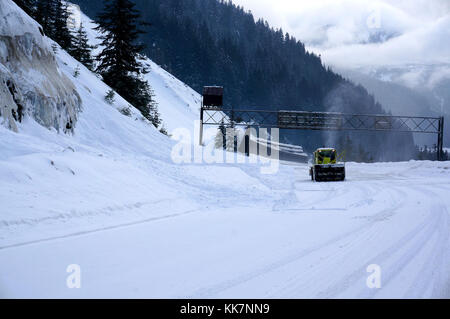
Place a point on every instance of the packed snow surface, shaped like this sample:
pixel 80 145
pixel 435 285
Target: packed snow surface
pixel 111 200
pixel 140 227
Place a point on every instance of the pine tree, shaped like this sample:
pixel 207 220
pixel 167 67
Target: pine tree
pixel 81 50
pixel 29 6
pixel 220 139
pixel 109 97
pixel 76 73
pixel 119 63
pixel 163 130
pixel 61 33
pixel 231 139
pixel 45 13
pixel 53 15
pixel 141 97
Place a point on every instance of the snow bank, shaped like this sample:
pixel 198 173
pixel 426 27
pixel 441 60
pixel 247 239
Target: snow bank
pixel 113 159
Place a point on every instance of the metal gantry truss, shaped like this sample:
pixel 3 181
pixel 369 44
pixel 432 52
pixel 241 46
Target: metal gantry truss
pixel 324 121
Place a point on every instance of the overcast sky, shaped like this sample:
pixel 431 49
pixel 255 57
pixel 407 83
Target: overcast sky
pixel 355 33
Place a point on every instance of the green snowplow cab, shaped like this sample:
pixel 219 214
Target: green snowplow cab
pixel 325 166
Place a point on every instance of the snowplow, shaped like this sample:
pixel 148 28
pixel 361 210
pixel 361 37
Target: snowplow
pixel 325 167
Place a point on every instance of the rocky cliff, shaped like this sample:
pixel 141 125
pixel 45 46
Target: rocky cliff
pixel 31 85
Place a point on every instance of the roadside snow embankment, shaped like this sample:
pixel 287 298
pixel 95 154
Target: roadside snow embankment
pixel 115 167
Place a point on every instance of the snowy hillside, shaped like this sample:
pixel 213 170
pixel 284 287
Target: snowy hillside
pixel 110 198
pixel 89 169
pixel 179 105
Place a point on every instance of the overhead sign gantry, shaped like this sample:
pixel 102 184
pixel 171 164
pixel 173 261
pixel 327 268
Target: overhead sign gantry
pixel 213 113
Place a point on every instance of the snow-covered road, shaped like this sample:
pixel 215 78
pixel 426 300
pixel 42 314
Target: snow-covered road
pixel 307 240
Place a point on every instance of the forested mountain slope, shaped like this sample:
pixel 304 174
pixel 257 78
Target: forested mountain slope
pixel 215 42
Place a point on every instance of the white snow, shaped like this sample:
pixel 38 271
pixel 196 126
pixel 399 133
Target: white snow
pixel 179 105
pixel 14 22
pixel 29 75
pixel 111 200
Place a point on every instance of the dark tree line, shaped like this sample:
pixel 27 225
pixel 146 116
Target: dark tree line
pixel 53 16
pixel 119 61
pixel 81 49
pixel 27 5
pixel 430 154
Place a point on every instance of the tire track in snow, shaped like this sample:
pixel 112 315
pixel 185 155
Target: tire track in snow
pixel 87 232
pixel 435 266
pixel 413 241
pixel 340 254
pixel 314 276
pixel 428 275
pixel 443 290
pixel 108 210
pixel 320 194
pixel 239 280
pixel 421 232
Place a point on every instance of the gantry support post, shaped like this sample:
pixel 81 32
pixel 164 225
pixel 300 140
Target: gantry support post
pixel 440 144
pixel 201 126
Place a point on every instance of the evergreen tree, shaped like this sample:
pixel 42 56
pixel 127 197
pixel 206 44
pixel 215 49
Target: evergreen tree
pixel 220 139
pixel 45 13
pixel 61 33
pixel 232 138
pixel 76 73
pixel 109 97
pixel 81 50
pixel 141 96
pixel 29 6
pixel 119 63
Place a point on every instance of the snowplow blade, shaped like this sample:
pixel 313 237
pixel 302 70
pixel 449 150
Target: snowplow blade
pixel 329 173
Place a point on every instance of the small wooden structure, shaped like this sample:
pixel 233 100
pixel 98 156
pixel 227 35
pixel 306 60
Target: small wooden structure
pixel 212 96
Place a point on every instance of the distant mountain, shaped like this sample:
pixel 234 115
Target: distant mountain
pixel 206 42
pixel 399 99
pixel 396 49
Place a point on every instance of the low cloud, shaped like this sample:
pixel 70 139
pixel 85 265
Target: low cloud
pixel 365 33
pixel 423 45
